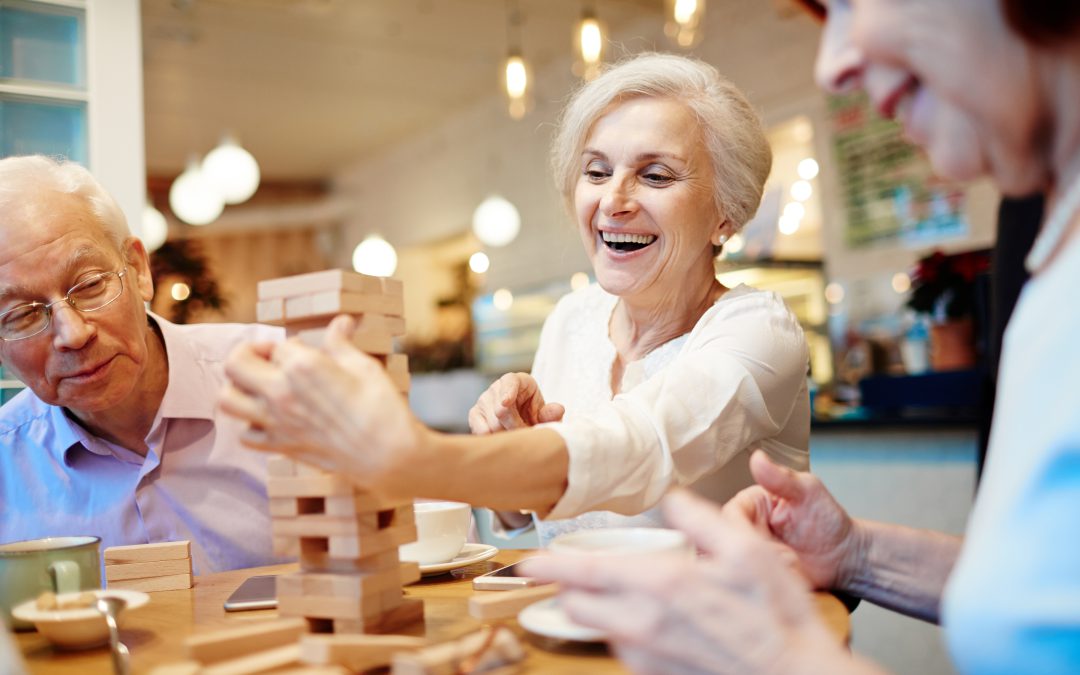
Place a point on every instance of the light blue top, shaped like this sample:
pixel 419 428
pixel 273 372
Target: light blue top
pixel 1012 604
pixel 196 482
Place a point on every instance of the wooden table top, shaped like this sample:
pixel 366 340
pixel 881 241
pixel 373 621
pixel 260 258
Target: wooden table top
pixel 155 634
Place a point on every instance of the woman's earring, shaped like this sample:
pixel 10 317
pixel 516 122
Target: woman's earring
pixel 721 240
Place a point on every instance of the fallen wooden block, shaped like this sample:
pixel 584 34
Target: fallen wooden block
pixel 157 568
pixel 138 553
pixel 257 662
pixel 484 650
pixel 355 652
pixel 227 643
pixel 507 604
pixel 326 280
pixel 169 582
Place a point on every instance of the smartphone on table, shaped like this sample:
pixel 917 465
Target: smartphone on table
pixel 258 592
pixel 503 579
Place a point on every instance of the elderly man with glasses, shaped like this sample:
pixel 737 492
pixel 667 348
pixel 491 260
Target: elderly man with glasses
pixel 117 433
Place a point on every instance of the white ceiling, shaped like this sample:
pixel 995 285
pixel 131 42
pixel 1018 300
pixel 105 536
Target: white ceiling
pixel 310 86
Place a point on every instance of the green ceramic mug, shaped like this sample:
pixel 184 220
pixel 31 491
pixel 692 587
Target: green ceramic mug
pixel 58 564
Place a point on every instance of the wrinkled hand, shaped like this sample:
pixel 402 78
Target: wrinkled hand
pixel 513 401
pixel 799 512
pixel 741 609
pixel 334 408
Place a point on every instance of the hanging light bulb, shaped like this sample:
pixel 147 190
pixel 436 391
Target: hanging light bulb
pixel 517 85
pixel 375 256
pixel 154 228
pixel 232 171
pixel 479 262
pixel 193 198
pixel 684 27
pixel 496 221
pixel 590 45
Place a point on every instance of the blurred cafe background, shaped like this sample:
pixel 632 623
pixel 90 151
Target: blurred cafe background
pixel 249 139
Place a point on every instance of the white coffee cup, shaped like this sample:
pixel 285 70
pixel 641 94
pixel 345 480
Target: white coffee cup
pixel 620 541
pixel 441 529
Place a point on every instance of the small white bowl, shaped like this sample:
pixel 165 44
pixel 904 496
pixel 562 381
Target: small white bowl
pixel 80 628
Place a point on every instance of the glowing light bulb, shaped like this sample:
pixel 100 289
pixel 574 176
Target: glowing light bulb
pixel 808 168
pixel 479 262
pixel 503 299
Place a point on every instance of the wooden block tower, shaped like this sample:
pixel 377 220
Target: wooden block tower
pixel 347 539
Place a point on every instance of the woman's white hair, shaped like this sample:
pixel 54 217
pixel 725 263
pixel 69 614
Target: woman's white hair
pixel 740 154
pixel 22 177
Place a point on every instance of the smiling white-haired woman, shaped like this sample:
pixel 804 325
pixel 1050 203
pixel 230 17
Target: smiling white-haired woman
pixel 656 375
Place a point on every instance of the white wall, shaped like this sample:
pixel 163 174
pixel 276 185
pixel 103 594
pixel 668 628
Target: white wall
pixel 115 107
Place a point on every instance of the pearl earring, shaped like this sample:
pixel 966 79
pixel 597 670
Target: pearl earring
pixel 721 240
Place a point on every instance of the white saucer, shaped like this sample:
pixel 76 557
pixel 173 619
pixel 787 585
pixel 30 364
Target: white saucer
pixel 547 618
pixel 77 628
pixel 470 553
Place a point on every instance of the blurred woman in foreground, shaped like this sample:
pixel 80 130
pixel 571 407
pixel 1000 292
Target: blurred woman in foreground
pixel 985 87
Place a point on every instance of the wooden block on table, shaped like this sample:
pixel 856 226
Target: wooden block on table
pixel 227 643
pixel 506 604
pixel 258 662
pixel 170 582
pixel 500 648
pixel 332 303
pixel 355 652
pixel 318 282
pixel 138 553
pixel 157 568
pixel 270 311
pixel 329 485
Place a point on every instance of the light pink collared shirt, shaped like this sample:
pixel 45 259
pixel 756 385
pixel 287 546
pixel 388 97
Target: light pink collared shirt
pixel 196 482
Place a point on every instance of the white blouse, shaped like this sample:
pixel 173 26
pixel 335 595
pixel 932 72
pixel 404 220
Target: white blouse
pixel 689 413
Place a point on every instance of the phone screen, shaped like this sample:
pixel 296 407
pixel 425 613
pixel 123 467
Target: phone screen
pixel 258 592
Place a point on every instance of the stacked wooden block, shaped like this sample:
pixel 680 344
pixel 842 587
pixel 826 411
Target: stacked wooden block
pixel 306 303
pixel 149 567
pixel 346 539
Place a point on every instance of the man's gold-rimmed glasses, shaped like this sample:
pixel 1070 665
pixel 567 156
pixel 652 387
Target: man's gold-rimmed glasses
pixel 89 295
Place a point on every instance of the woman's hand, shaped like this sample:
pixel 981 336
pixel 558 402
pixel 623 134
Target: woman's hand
pixel 335 408
pixel 514 401
pixel 799 512
pixel 742 609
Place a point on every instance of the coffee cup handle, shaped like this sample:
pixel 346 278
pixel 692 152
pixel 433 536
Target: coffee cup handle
pixel 65 575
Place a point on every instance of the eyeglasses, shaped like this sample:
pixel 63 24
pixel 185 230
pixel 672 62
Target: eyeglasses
pixel 89 295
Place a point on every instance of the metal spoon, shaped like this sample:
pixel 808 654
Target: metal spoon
pixel 110 607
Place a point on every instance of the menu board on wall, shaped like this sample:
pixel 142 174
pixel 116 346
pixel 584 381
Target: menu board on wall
pixel 889 190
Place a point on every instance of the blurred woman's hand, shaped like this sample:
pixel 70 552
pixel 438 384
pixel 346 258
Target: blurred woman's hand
pixel 799 512
pixel 335 408
pixel 742 609
pixel 513 401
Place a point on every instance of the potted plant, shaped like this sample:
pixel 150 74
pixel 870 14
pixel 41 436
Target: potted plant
pixel 943 288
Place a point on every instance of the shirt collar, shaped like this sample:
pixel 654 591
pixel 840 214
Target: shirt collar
pixel 192 392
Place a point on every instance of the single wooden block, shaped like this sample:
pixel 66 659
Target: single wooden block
pixel 322 525
pixel 171 582
pixel 331 303
pixel 362 502
pixel 507 604
pixel 383 540
pixel 312 560
pixel 259 662
pixel 139 553
pixel 370 342
pixel 396 363
pixel 355 652
pixel 227 643
pixel 329 607
pixel 392 286
pixel 270 311
pixel 410 611
pixel 290 507
pixel 158 568
pixel 317 282
pixel 340 585
pixel 501 648
pixel 330 485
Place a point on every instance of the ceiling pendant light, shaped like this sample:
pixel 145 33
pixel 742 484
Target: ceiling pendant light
pixel 496 222
pixel 193 198
pixel 515 71
pixel 375 256
pixel 589 45
pixel 154 230
pixel 232 171
pixel 685 22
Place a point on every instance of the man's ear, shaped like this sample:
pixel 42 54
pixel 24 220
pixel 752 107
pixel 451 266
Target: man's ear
pixel 136 257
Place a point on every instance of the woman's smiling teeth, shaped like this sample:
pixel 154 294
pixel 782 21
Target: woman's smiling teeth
pixel 624 241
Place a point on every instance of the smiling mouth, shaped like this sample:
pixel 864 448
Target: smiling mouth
pixel 625 242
